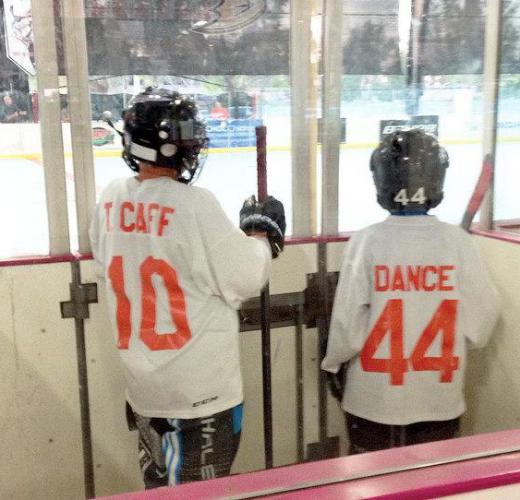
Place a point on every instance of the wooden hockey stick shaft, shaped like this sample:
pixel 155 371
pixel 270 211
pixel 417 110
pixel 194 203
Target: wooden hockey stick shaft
pixel 265 316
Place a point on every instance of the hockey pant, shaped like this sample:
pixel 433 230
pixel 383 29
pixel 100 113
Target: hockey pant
pixel 365 435
pixel 175 451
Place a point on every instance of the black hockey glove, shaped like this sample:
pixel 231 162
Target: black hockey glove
pixel 336 382
pixel 268 217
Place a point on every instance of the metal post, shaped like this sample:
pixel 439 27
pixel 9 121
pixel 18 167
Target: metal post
pixel 75 44
pixel 326 447
pixel 492 56
pixel 322 338
pixel 50 125
pixel 414 60
pixel 88 461
pixel 298 324
pixel 331 114
pixel 303 119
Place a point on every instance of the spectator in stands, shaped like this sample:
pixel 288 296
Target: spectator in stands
pixel 219 112
pixel 10 112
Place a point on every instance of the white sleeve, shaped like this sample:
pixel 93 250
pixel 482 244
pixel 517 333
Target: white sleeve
pixel 479 295
pixel 239 265
pixel 94 244
pixel 350 312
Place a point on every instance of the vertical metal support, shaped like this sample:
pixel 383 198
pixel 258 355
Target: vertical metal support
pixel 331 114
pixel 322 338
pixel 326 447
pixel 298 324
pixel 75 45
pixel 50 125
pixel 303 119
pixel 88 461
pixel 492 56
pixel 414 60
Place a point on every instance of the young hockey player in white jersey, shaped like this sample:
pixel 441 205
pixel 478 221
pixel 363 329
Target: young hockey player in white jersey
pixel 176 272
pixel 412 297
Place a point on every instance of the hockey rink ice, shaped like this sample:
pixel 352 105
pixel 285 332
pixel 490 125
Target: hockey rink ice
pixel 231 176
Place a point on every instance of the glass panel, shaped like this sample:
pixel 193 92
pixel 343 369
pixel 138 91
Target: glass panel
pixel 22 192
pixel 397 77
pixel 232 60
pixel 507 201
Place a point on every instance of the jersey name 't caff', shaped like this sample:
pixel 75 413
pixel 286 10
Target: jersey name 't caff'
pixel 137 218
pixel 413 278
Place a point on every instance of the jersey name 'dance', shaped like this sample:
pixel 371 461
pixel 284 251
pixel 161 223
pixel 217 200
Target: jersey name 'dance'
pixel 413 278
pixel 139 218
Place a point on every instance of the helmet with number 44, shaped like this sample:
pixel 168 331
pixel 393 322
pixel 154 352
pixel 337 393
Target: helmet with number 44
pixel 409 169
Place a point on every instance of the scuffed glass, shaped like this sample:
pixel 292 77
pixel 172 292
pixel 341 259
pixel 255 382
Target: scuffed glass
pixel 406 68
pixel 507 201
pixel 20 147
pixel 233 59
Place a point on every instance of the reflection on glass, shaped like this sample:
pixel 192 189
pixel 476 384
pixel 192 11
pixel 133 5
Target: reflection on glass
pixel 419 59
pixel 232 59
pixel 20 145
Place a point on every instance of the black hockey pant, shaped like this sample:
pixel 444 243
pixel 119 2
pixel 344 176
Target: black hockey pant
pixel 175 451
pixel 365 435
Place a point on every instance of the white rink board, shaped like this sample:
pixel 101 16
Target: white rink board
pixel 40 420
pixel 39 390
pixel 493 380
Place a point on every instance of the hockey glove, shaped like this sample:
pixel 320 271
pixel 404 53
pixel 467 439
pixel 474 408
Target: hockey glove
pixel 336 382
pixel 268 217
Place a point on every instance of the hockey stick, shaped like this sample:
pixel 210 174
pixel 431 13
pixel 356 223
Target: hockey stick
pixel 483 183
pixel 265 316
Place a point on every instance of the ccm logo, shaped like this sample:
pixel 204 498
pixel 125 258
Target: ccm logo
pixel 204 401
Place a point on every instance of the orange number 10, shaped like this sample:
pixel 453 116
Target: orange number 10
pixel 391 319
pixel 177 305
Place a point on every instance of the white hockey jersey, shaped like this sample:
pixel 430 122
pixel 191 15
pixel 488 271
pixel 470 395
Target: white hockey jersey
pixel 413 295
pixel 176 272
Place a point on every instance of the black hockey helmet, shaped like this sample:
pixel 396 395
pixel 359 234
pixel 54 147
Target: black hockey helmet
pixel 409 169
pixel 161 127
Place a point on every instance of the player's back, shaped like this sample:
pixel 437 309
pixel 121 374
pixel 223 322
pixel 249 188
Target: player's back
pixel 165 248
pixel 427 295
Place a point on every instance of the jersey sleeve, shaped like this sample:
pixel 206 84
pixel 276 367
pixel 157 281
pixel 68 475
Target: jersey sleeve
pixel 94 236
pixel 238 265
pixel 350 312
pixel 480 296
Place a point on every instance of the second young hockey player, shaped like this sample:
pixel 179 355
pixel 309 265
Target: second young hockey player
pixel 177 270
pixel 412 298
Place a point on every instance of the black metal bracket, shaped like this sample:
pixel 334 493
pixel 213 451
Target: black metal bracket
pixel 81 295
pixel 284 307
pixel 283 310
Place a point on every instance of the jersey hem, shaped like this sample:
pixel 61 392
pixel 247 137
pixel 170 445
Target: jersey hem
pixel 206 412
pixel 408 420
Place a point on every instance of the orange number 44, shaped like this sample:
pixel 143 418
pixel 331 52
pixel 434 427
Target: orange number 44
pixel 148 334
pixel 391 320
